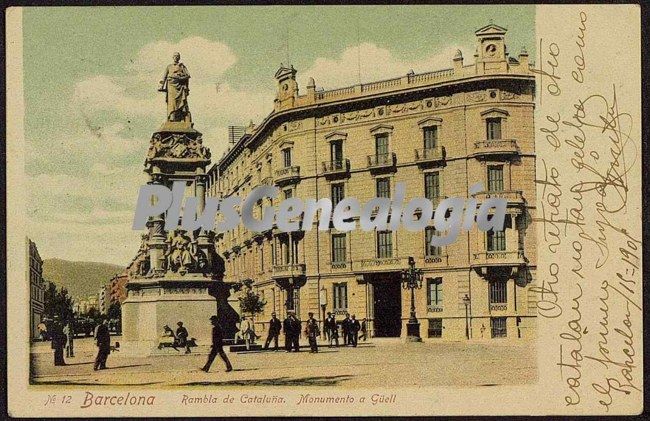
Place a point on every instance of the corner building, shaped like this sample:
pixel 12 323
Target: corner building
pixel 439 133
pixel 37 287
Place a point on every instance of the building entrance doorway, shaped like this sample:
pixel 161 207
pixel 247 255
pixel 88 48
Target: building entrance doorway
pixel 388 307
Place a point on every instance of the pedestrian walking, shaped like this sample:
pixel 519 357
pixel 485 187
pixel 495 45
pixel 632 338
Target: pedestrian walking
pixel 58 343
pixel 354 327
pixel 274 331
pixel 68 331
pixel 345 327
pixel 364 329
pixel 217 346
pixel 103 340
pixel 182 337
pixel 312 332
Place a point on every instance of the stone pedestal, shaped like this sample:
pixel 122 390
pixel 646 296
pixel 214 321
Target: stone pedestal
pixel 153 303
pixel 413 331
pixel 163 302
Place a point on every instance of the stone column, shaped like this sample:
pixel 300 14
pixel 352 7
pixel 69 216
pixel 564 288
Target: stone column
pixel 292 259
pixel 201 181
pixel 156 226
pixel 203 239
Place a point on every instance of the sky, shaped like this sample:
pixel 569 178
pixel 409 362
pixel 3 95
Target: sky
pixel 91 102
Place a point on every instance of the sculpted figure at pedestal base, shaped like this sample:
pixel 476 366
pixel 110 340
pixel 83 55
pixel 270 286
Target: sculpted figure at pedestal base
pixel 181 252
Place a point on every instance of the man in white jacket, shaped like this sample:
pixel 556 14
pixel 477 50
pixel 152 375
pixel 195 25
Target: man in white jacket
pixel 245 332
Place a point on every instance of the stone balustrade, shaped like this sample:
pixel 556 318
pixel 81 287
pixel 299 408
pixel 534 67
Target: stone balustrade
pixel 496 147
pixel 430 154
pixel 382 160
pixel 336 167
pixel 498 258
pixel 289 271
pixel 287 174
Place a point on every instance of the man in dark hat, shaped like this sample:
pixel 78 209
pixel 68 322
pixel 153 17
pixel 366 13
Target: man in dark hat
pixel 292 332
pixel 274 331
pixel 329 325
pixel 354 327
pixel 103 340
pixel 58 342
pixel 217 346
pixel 345 327
pixel 312 332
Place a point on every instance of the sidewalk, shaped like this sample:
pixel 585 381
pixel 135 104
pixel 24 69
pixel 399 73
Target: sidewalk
pixel 373 363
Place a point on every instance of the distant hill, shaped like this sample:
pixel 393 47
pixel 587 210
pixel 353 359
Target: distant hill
pixel 80 278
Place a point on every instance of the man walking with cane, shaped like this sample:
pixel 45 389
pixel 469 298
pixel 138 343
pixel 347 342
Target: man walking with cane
pixel 217 346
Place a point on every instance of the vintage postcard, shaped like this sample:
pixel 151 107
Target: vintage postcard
pixel 324 210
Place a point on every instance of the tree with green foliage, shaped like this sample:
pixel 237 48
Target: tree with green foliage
pixel 115 314
pixel 251 302
pixel 58 303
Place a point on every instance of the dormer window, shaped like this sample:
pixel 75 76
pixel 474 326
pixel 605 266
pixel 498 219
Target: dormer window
pixel 493 127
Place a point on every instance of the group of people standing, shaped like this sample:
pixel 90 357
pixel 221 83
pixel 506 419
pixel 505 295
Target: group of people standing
pixel 292 327
pixel 350 328
pixel 62 337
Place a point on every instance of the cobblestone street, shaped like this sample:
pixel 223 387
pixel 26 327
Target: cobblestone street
pixel 374 363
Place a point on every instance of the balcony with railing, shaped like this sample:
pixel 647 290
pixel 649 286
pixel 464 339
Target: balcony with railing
pixel 438 260
pixel 289 271
pixel 430 155
pixel 434 308
pixel 382 161
pixel 513 197
pixel 496 147
pixel 337 167
pixel 498 259
pixel 266 181
pixel 498 307
pixel 287 175
pixel 342 266
pixel 381 264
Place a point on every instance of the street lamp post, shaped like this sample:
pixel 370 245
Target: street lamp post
pixel 412 279
pixel 466 300
pixel 323 304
